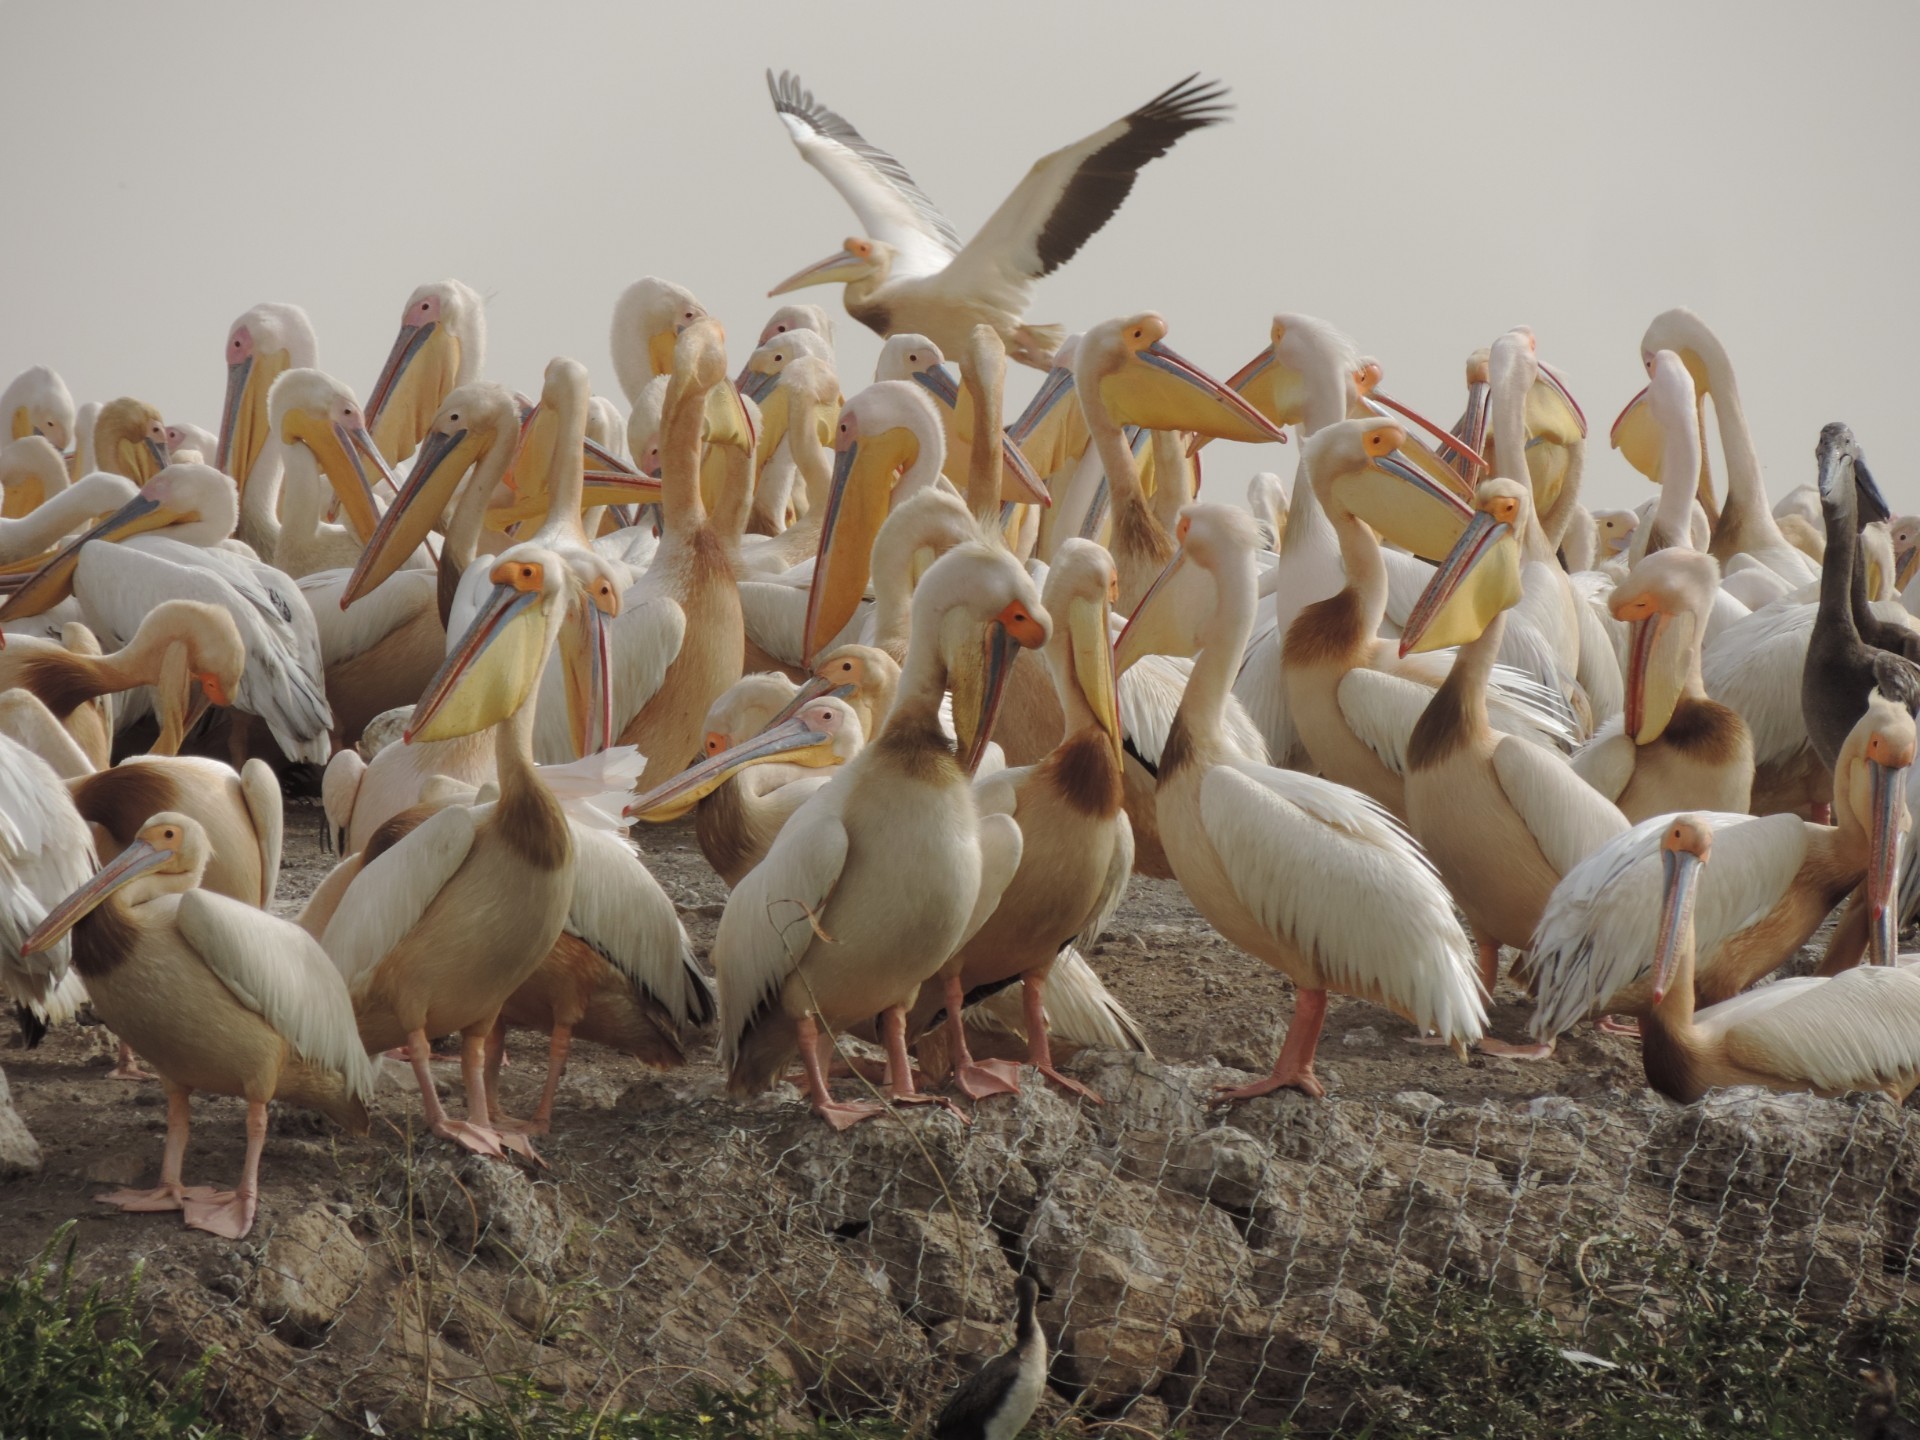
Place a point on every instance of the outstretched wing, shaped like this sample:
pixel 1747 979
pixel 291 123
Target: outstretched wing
pixel 891 206
pixel 1068 195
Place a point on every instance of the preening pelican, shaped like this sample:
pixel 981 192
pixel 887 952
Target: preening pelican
pixel 438 933
pixel 1310 876
pixel 189 652
pixel 130 439
pixel 442 344
pixel 32 470
pixel 121 569
pixel 185 440
pixel 963 407
pixel 262 345
pixel 1673 747
pixel 1858 1030
pixel 884 872
pixel 37 402
pixel 1592 952
pixel 910 272
pixel 65 509
pixel 327 453
pixel 1502 819
pixel 647 317
pixel 216 995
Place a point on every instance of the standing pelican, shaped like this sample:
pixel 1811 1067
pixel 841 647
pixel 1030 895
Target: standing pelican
pixel 885 871
pixel 910 271
pixel 1674 746
pixel 327 453
pixel 216 996
pixel 1858 1030
pixel 1310 876
pixel 442 344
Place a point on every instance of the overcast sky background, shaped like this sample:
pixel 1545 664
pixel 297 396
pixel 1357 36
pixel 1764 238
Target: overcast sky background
pixel 1423 176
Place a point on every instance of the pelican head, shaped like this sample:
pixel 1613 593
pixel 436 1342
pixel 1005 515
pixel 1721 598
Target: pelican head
pixel 647 318
pixel 1302 353
pixel 789 318
pixel 31 469
pixel 130 439
pixel 1125 366
pixel 1904 533
pixel 746 707
pixel 586 646
pixel 1837 457
pixel 441 344
pixel 1178 613
pixel 313 411
pixel 865 677
pixel 1688 337
pixel 1615 529
pixel 1660 427
pixel 978 607
pixel 1082 587
pixel 884 432
pixel 491 669
pixel 36 402
pixel 1480 576
pixel 184 440
pixel 1362 466
pixel 201 664
pixel 858 259
pixel 768 363
pixel 1876 553
pixel 1666 601
pixel 823 732
pixel 170 847
pixel 1871 773
pixel 916 358
pixel 1684 848
pixel 262 345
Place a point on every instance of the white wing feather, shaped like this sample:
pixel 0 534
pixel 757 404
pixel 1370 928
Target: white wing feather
pixel 1606 761
pixel 45 855
pixel 1753 667
pixel 388 897
pixel 1859 1030
pixel 620 910
pixel 1566 817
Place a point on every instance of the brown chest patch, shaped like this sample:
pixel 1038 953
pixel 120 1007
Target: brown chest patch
pixel 124 798
pixel 1706 731
pixel 876 318
pixel 1137 530
pixel 393 830
pixel 1443 727
pixel 1329 629
pixel 1177 753
pixel 1668 1063
pixel 105 940
pixel 1086 772
pixel 63 683
pixel 535 828
pixel 916 747
pixel 720 824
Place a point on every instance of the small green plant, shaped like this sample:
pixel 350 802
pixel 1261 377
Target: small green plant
pixel 72 1364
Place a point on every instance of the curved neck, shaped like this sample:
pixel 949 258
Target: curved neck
pixel 1308 529
pixel 923 473
pixel 1843 584
pixel 57 516
pixel 1116 456
pixel 301 490
pixel 259 523
pixel 682 512
pixel 1745 522
pixel 810 459
pixel 1366 567
pixel 1203 707
pixel 1556 521
pixel 470 510
pixel 983 460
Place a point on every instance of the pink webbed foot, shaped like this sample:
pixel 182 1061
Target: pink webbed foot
pixel 220 1212
pixel 1614 1025
pixel 511 1136
pixel 1302 1079
pixel 536 1125
pixel 477 1138
pixel 977 1079
pixel 896 1098
pixel 128 1068
pixel 845 1114
pixel 1507 1050
pixel 147 1202
pixel 1070 1085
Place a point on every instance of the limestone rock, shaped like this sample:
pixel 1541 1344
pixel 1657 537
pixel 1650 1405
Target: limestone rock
pixel 312 1265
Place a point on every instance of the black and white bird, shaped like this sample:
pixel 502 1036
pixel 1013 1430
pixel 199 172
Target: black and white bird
pixel 1001 1396
pixel 910 274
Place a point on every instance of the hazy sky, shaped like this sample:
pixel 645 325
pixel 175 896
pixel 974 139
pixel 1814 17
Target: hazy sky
pixel 1424 176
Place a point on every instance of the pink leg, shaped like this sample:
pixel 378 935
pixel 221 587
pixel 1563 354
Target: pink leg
pixel 478 1138
pixel 1039 1051
pixel 977 1079
pixel 1823 813
pixel 557 1047
pixel 893 1029
pixel 839 1114
pixel 126 1067
pixel 170 1194
pixel 1294 1067
pixel 230 1212
pixel 473 1070
pixel 1487 950
pixel 1615 1025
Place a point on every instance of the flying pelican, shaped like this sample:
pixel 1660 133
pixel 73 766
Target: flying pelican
pixel 442 929
pixel 886 870
pixel 1674 746
pixel 1858 1030
pixel 37 402
pixel 1310 876
pixel 1783 876
pixel 119 571
pixel 1502 819
pixel 910 271
pixel 184 649
pixel 217 996
pixel 262 345
pixel 442 344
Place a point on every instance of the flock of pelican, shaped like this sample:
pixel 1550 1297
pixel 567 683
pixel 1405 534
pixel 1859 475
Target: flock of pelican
pixel 932 686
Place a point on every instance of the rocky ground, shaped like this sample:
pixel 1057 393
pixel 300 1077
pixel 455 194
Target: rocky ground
pixel 1214 1269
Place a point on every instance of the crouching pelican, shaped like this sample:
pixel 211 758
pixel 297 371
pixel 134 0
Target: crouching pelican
pixel 1314 878
pixel 216 995
pixel 885 871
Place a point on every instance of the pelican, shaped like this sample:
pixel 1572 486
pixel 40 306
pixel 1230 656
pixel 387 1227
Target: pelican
pixel 1673 747
pixel 1310 876
pixel 647 317
pixel 885 871
pixel 1753 666
pixel 119 571
pixel 1076 850
pixel 37 402
pixel 1858 1030
pixel 1782 877
pixel 326 452
pixel 217 996
pixel 964 408
pixel 32 470
pixel 182 648
pixel 1502 819
pixel 45 855
pixel 184 439
pixel 440 931
pixel 262 345
pixel 1613 533
pixel 130 439
pixel 910 272
pixel 799 408
pixel 442 344
pixel 82 459
pixel 24 464
pixel 1267 499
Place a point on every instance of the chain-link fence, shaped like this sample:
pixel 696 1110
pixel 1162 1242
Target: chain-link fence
pixel 1220 1271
